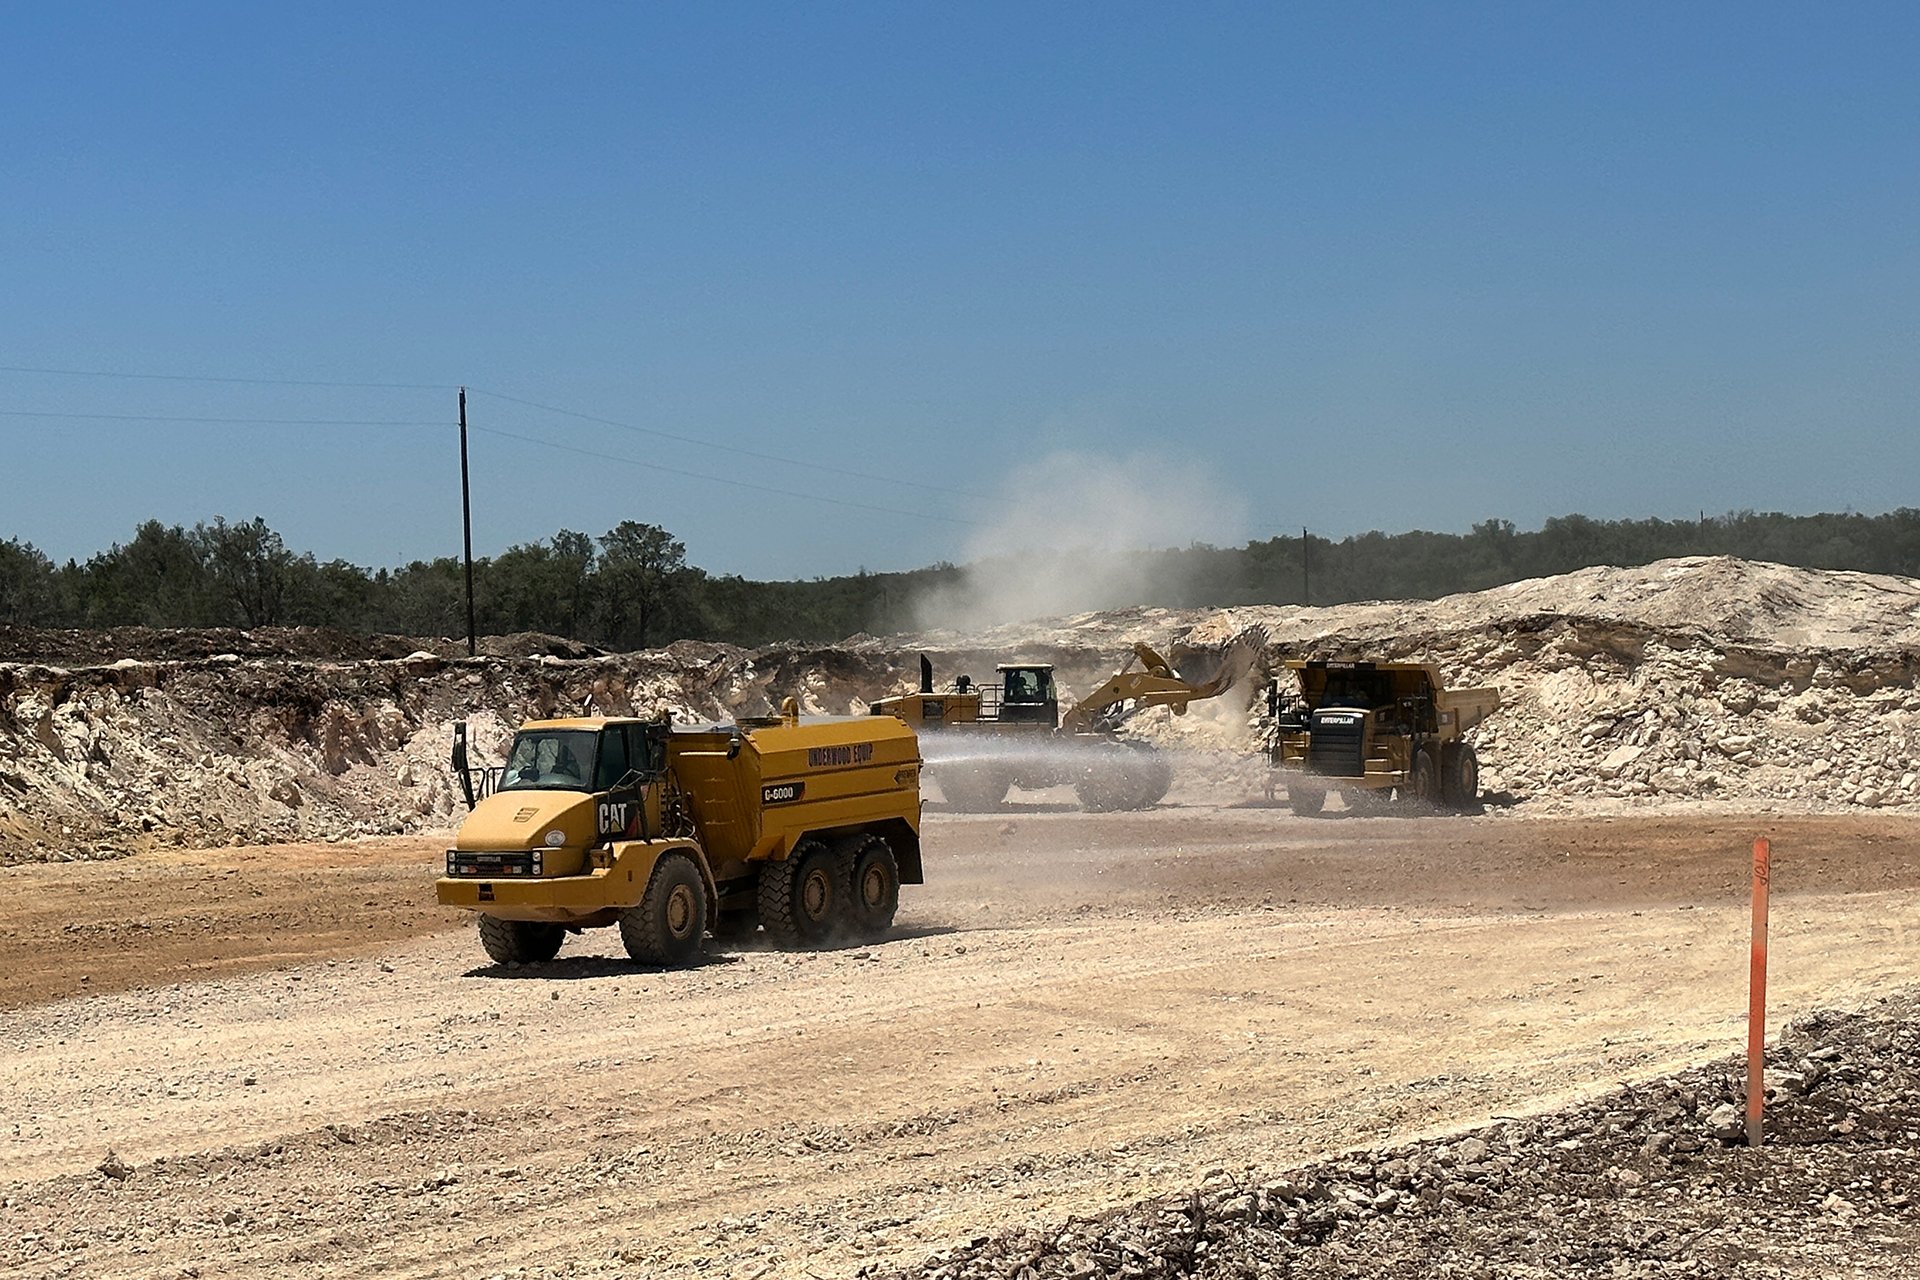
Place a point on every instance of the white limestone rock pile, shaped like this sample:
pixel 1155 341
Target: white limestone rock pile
pixel 1687 681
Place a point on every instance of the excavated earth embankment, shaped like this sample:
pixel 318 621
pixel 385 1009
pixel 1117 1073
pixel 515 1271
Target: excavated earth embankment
pixel 1694 680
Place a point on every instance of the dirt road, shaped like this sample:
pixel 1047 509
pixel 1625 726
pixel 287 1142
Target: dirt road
pixel 1079 1011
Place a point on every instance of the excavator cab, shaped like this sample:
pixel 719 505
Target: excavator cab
pixel 1027 695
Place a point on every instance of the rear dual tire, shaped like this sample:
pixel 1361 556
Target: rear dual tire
pixel 822 894
pixel 973 788
pixel 1446 777
pixel 1460 777
pixel 802 896
pixel 873 885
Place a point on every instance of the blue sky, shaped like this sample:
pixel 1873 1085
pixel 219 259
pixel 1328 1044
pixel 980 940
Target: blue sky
pixel 1354 266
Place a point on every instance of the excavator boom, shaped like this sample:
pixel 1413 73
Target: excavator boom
pixel 1156 684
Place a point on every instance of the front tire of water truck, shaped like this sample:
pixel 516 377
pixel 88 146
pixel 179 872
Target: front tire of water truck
pixel 520 941
pixel 665 929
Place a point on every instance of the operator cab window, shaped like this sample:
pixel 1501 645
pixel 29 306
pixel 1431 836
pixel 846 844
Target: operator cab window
pixel 550 760
pixel 613 759
pixel 1349 692
pixel 646 749
pixel 1027 686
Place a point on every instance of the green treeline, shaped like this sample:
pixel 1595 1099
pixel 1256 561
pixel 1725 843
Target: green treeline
pixel 631 587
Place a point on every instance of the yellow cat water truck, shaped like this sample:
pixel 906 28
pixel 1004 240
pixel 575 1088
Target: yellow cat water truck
pixel 806 826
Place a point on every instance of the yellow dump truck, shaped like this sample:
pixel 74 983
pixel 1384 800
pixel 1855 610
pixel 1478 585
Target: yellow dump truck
pixel 1375 731
pixel 806 826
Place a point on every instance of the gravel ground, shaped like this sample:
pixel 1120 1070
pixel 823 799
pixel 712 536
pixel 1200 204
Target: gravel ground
pixel 1651 1180
pixel 1078 1012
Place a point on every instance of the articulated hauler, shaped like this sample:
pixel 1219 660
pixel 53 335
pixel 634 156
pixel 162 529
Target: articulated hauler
pixel 806 826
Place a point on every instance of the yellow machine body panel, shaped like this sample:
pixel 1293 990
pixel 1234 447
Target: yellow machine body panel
pixel 757 788
pixel 936 710
pixel 1380 684
pixel 580 889
pixel 982 740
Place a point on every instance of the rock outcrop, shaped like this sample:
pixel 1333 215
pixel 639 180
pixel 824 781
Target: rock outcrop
pixel 1699 680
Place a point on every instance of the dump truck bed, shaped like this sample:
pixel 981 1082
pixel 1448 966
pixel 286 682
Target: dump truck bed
pixel 1468 707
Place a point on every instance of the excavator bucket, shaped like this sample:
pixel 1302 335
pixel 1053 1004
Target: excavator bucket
pixel 1234 663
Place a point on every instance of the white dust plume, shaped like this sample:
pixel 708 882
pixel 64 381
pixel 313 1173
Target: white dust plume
pixel 1079 532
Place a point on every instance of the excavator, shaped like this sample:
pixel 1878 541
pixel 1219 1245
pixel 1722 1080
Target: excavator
pixel 980 740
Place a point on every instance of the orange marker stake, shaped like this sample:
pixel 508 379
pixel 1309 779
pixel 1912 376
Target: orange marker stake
pixel 1757 993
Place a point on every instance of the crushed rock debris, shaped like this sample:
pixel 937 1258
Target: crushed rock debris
pixel 1647 1181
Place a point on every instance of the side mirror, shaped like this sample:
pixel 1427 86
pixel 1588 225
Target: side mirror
pixel 460 769
pixel 733 744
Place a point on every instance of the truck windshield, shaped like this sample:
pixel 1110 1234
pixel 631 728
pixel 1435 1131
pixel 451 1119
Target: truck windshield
pixel 1027 686
pixel 550 760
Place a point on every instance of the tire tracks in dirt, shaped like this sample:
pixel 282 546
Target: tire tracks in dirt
pixel 1120 1014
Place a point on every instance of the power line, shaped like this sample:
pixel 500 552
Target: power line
pixel 252 382
pixel 245 422
pixel 739 484
pixel 515 400
pixel 746 453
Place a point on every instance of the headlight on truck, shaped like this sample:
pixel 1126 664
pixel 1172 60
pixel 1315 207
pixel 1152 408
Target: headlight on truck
pixel 452 867
pixel 556 838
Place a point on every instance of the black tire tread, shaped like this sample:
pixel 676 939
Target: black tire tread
pixel 779 908
pixel 1460 793
pixel 973 788
pixel 1155 777
pixel 643 928
pixel 520 941
pixel 856 852
pixel 776 900
pixel 1425 782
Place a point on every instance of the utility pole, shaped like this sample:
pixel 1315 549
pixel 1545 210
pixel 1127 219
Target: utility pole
pixel 1306 568
pixel 466 525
